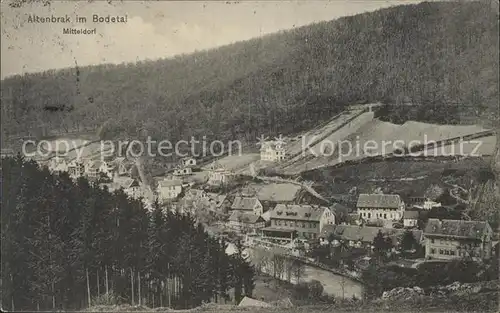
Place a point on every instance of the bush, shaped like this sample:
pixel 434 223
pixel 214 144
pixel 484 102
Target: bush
pixel 315 289
pixel 107 299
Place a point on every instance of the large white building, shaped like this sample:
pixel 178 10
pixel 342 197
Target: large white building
pixel 169 189
pixel 387 207
pixel 272 151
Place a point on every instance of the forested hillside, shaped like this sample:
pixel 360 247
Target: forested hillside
pixel 430 53
pixel 66 244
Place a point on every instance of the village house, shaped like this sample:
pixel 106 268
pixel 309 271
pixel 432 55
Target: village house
pixel 200 199
pixel 363 236
pixel 76 168
pixel 245 222
pixel 218 175
pixel 293 220
pixel 107 169
pixel 427 205
pixel 410 218
pixel 183 171
pixel 194 193
pixel 272 151
pixel 92 169
pixel 373 207
pixel 188 162
pixel 250 205
pixel 122 166
pixel 169 189
pixel 448 239
pixel 58 164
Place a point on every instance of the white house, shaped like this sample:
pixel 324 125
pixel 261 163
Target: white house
pixel 428 205
pixel 388 207
pixel 58 164
pixel 188 162
pixel 218 175
pixel 122 166
pixel 92 169
pixel 76 168
pixel 410 218
pixel 183 171
pixel 272 151
pixel 169 189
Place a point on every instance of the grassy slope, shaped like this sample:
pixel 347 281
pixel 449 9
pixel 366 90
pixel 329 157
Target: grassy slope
pixel 437 53
pixel 363 176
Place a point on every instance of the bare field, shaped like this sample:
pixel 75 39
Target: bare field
pixel 376 137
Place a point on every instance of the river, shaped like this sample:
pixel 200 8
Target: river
pixel 333 284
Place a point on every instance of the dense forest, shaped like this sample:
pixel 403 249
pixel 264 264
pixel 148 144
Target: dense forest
pixel 65 244
pixel 430 53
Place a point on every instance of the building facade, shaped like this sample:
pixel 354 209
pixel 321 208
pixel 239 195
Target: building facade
pixel 169 189
pixel 245 222
pixel 219 176
pixel 305 221
pixel 373 207
pixel 410 218
pixel 272 151
pixel 449 239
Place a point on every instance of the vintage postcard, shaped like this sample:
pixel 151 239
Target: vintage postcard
pixel 250 156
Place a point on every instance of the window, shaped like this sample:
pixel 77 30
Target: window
pixel 441 251
pixel 452 252
pixel 385 216
pixel 433 251
pixel 369 215
pixel 432 240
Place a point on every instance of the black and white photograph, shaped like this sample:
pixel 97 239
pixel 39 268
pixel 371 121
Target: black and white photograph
pixel 297 156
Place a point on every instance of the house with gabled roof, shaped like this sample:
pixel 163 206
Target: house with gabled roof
pixel 388 207
pixel 410 218
pixel 122 166
pixel 243 221
pixel 298 220
pixel 218 175
pixel 169 189
pixel 248 205
pixel 449 239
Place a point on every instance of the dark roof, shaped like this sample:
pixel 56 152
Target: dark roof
pixel 300 212
pixel 246 218
pixel 244 203
pixel 339 207
pixel 457 228
pixel 411 214
pixel 378 201
pixel 364 233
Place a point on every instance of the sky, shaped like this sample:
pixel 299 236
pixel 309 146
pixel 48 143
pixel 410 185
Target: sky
pixel 156 29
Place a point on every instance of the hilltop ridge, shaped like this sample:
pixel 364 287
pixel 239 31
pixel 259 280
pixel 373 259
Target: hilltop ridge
pixel 431 53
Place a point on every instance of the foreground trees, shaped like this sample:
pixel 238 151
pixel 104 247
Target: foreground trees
pixel 65 244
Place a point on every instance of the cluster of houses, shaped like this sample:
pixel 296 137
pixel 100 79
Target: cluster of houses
pixel 276 218
pixel 441 239
pixel 113 174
